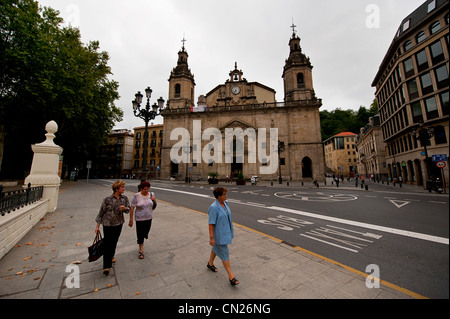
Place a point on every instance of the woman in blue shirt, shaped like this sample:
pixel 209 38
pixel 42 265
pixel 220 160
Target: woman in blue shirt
pixel 221 232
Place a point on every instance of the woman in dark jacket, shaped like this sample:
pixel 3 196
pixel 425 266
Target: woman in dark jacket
pixel 111 217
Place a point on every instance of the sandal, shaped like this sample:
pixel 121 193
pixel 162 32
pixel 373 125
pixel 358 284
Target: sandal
pixel 213 268
pixel 106 271
pixel 234 281
pixel 141 255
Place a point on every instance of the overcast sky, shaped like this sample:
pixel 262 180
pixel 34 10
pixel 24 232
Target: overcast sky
pixel 346 41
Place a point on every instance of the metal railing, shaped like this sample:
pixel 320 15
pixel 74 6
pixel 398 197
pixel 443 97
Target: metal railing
pixel 10 201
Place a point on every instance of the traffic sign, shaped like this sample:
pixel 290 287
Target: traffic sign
pixel 440 158
pixel 441 164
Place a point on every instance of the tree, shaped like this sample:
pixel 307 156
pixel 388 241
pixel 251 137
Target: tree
pixel 47 73
pixel 339 120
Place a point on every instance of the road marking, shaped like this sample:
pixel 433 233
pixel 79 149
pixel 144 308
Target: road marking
pixel 183 192
pixel 342 236
pixel 434 202
pixel 370 235
pixel 256 204
pixel 318 197
pixel 436 239
pixel 284 222
pixel 332 244
pixel 399 203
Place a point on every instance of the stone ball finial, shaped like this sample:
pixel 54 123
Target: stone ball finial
pixel 51 127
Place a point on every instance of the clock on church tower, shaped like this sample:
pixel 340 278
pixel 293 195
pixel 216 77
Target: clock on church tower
pixel 238 91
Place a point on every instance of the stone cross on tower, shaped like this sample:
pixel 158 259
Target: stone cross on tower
pixel 293 26
pixel 184 40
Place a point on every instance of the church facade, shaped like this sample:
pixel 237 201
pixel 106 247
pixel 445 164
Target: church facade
pixel 239 127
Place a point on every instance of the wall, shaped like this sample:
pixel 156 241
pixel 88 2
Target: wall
pixel 15 225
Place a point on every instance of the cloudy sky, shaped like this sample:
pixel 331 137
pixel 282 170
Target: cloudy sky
pixel 346 41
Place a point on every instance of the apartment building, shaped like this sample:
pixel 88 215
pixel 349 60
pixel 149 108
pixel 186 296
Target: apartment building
pixel 371 151
pixel 115 158
pixel 340 154
pixel 147 152
pixel 412 90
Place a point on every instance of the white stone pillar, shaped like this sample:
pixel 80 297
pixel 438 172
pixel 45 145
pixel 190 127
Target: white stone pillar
pixel 44 169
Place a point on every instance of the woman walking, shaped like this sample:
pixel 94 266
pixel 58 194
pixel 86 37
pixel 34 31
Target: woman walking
pixel 143 203
pixel 221 232
pixel 111 217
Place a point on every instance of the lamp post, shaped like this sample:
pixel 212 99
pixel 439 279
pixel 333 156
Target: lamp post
pixel 187 150
pixel 424 135
pixel 147 115
pixel 281 149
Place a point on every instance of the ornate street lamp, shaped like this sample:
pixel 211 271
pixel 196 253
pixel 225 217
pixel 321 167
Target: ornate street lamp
pixel 147 115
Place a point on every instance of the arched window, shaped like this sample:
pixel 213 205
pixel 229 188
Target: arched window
pixel 177 90
pixel 435 27
pixel 300 81
pixel 420 37
pixel 407 45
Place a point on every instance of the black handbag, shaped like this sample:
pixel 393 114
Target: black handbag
pixel 96 250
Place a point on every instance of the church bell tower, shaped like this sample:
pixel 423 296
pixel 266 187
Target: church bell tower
pixel 297 73
pixel 181 83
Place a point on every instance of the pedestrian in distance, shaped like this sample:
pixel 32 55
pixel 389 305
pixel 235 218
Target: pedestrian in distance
pixel 142 206
pixel 111 217
pixel 221 232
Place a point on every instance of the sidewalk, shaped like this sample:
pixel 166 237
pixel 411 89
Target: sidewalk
pixel 175 261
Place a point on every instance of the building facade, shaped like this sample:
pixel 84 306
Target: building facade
pixel 340 154
pixel 412 90
pixel 371 151
pixel 147 154
pixel 115 159
pixel 213 129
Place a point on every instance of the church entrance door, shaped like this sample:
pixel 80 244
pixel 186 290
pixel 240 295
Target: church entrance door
pixel 174 170
pixel 236 168
pixel 307 168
